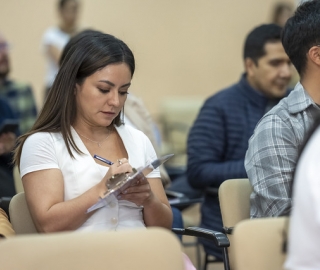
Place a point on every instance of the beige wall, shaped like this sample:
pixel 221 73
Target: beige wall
pixel 182 47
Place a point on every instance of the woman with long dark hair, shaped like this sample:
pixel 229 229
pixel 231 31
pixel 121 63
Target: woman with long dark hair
pixel 81 117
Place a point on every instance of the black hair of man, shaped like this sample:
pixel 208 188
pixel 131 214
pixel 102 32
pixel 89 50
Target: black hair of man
pixel 256 40
pixel 301 32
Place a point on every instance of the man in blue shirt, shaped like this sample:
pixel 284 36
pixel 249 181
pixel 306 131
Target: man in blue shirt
pixel 218 140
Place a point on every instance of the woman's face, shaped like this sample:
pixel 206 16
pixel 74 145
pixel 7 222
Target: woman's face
pixel 102 95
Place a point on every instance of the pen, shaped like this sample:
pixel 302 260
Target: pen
pixel 103 159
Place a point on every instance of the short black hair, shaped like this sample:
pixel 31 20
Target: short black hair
pixel 301 32
pixel 254 46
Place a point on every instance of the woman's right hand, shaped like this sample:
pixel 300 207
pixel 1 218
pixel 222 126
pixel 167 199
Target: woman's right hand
pixel 121 166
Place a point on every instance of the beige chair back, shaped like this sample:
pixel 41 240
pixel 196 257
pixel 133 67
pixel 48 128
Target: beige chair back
pixel 258 244
pixel 234 198
pixel 154 248
pixel 20 216
pixel 176 119
pixel 17 180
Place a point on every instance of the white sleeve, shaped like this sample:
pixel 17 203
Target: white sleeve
pixel 38 153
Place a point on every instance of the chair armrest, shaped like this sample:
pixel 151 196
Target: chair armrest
pixel 228 230
pixel 220 239
pixel 173 194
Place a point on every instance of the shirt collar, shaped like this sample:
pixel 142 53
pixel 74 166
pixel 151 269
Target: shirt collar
pixel 299 99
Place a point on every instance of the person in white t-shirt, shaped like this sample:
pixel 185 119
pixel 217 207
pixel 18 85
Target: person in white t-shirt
pixel 304 229
pixel 82 117
pixel 55 38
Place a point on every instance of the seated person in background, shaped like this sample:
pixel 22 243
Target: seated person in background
pixel 5 225
pixel 137 116
pixel 304 237
pixel 218 140
pixel 18 95
pixel 273 148
pixel 7 143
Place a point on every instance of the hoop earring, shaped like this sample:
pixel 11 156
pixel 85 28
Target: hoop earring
pixel 122 116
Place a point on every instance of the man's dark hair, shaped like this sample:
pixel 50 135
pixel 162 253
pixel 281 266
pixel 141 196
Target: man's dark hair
pixel 301 32
pixel 254 46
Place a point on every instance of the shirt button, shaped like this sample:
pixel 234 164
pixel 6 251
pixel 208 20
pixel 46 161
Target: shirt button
pixel 114 220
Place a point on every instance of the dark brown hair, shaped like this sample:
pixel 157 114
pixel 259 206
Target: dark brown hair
pixel 85 54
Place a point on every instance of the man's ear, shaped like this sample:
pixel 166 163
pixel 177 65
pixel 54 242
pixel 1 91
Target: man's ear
pixel 314 55
pixel 249 66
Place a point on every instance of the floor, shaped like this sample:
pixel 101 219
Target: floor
pixel 191 217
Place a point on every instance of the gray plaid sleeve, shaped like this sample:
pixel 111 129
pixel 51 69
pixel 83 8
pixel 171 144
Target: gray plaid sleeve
pixel 270 163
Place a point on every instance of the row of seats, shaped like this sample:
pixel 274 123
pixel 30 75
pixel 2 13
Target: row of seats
pixel 254 244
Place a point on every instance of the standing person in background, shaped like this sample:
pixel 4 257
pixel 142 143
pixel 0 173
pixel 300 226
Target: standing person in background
pixel 18 95
pixel 55 38
pixel 281 13
pixel 218 140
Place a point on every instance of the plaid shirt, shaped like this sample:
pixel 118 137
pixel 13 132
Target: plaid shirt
pixel 21 100
pixel 273 151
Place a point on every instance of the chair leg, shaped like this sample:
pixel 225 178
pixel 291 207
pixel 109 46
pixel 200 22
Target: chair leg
pixel 225 261
pixel 198 255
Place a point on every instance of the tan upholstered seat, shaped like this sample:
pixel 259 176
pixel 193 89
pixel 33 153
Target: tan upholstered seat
pixel 20 216
pixel 234 198
pixel 153 248
pixel 258 244
pixel 17 180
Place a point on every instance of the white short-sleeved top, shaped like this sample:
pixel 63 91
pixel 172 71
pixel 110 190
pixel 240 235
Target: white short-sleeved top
pixel 304 229
pixel 45 150
pixel 55 37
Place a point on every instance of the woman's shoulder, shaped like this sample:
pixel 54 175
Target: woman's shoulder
pixel 46 137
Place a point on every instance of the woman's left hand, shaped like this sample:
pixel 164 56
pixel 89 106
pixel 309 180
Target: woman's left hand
pixel 139 192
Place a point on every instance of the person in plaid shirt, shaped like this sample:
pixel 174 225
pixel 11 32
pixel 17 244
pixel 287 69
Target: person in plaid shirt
pixel 273 148
pixel 19 98
pixel 18 95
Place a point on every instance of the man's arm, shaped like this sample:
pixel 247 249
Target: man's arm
pixel 206 149
pixel 270 163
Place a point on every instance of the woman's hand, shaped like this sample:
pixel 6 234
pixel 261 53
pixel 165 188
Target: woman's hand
pixel 121 166
pixel 139 192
